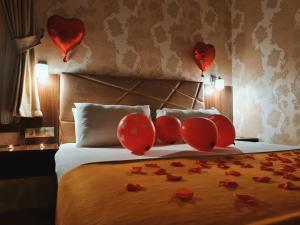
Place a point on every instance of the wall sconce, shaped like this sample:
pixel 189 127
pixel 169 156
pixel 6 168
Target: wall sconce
pixel 212 84
pixel 219 84
pixel 41 71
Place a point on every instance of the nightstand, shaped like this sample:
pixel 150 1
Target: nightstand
pixel 27 161
pixel 247 139
pixel 28 184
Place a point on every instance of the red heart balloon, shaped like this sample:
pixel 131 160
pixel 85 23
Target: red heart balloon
pixel 204 55
pixel 65 33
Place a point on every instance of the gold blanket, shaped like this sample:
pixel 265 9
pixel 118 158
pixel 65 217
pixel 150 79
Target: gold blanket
pixel 96 194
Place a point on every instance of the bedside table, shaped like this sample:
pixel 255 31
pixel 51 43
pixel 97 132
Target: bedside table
pixel 247 139
pixel 28 184
pixel 27 161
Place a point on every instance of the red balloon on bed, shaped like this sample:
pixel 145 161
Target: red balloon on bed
pixel 200 133
pixel 226 131
pixel 168 129
pixel 136 132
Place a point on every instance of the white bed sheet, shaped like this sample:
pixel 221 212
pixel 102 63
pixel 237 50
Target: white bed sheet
pixel 69 156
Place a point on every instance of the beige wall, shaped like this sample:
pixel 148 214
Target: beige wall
pixel 155 39
pixel 266 69
pixel 149 38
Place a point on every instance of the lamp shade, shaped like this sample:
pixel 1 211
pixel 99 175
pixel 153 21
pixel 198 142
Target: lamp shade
pixel 219 84
pixel 41 71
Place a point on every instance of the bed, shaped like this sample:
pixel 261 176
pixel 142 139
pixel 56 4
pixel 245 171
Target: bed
pixel 228 184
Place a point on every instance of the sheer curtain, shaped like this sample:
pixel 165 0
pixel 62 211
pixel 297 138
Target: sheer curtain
pixel 22 94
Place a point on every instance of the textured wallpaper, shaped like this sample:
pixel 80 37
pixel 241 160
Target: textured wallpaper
pixel 149 38
pixel 266 69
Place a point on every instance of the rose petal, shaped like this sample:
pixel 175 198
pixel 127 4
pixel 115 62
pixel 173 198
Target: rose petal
pixel 279 172
pixel 237 162
pixel 171 177
pixel 297 165
pixel 137 170
pixel 195 170
pixel 285 160
pixel 184 194
pixel 177 164
pixel 249 157
pixel 223 166
pixel 272 155
pixel 288 186
pixel 160 172
pixel 287 154
pixel 135 187
pixel 262 179
pixel 233 173
pixel 266 163
pixel 228 184
pixel 266 168
pixel 246 165
pixel 152 165
pixel 201 162
pixel 290 176
pixel 271 159
pixel 287 168
pixel 250 200
pixel 297 160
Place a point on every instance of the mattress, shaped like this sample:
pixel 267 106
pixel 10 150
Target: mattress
pixel 69 156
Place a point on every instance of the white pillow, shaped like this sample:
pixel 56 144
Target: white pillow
pixel 183 114
pixel 96 125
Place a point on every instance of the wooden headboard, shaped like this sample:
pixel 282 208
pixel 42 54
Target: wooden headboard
pixel 157 93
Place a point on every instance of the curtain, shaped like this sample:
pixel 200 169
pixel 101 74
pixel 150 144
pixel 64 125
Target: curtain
pixel 23 93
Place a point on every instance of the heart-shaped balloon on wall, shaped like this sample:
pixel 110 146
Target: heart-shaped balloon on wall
pixel 204 55
pixel 65 33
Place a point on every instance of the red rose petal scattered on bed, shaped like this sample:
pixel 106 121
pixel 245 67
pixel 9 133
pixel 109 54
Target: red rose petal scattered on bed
pixel 184 194
pixel 205 166
pixel 296 159
pixel 272 155
pixel 177 164
pixel 137 170
pixel 279 172
pixel 271 159
pixel 249 157
pixel 297 153
pixel 266 168
pixel 290 176
pixel 171 177
pixel 237 162
pixel 297 165
pixel 287 154
pixel 247 199
pixel 135 187
pixel 288 186
pixel 160 172
pixel 200 161
pixel 195 170
pixel 285 160
pixel 223 166
pixel 247 165
pixel 233 173
pixel 287 168
pixel 228 184
pixel 262 179
pixel 266 163
pixel 152 165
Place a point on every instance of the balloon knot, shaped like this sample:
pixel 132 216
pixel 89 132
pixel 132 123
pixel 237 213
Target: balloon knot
pixel 65 59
